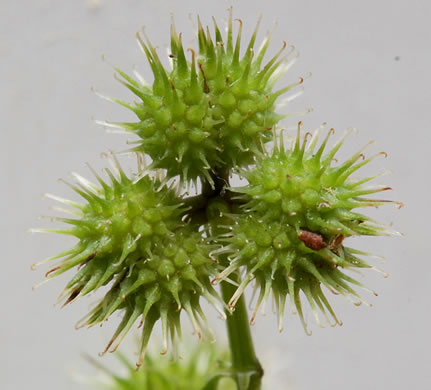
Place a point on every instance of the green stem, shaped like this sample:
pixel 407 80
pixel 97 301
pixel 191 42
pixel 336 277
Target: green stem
pixel 245 366
pixel 246 369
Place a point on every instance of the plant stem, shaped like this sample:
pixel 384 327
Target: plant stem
pixel 246 369
pixel 245 366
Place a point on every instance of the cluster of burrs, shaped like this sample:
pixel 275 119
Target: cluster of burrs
pixel 158 250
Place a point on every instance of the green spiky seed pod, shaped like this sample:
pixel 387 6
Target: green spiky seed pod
pixel 214 112
pixel 120 223
pixel 298 210
pixel 301 184
pixel 173 278
pixel 131 233
pixel 199 368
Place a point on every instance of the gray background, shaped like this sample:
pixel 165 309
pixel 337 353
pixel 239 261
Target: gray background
pixel 371 69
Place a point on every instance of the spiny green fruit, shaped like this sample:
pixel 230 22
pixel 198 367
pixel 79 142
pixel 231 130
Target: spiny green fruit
pixel 298 211
pixel 301 184
pixel 199 368
pixel 131 233
pixel 173 278
pixel 120 224
pixel 214 112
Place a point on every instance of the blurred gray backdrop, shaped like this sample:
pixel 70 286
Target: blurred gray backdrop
pixel 370 62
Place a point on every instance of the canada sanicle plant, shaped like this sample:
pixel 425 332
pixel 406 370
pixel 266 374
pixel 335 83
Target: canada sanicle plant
pixel 160 250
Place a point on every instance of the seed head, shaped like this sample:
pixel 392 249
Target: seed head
pixel 197 366
pixel 298 211
pixel 132 237
pixel 212 111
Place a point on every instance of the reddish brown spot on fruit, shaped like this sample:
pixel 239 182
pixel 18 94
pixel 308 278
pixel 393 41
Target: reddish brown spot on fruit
pixel 312 240
pixel 52 270
pixel 89 258
pixel 72 296
pixel 336 242
pixel 206 88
